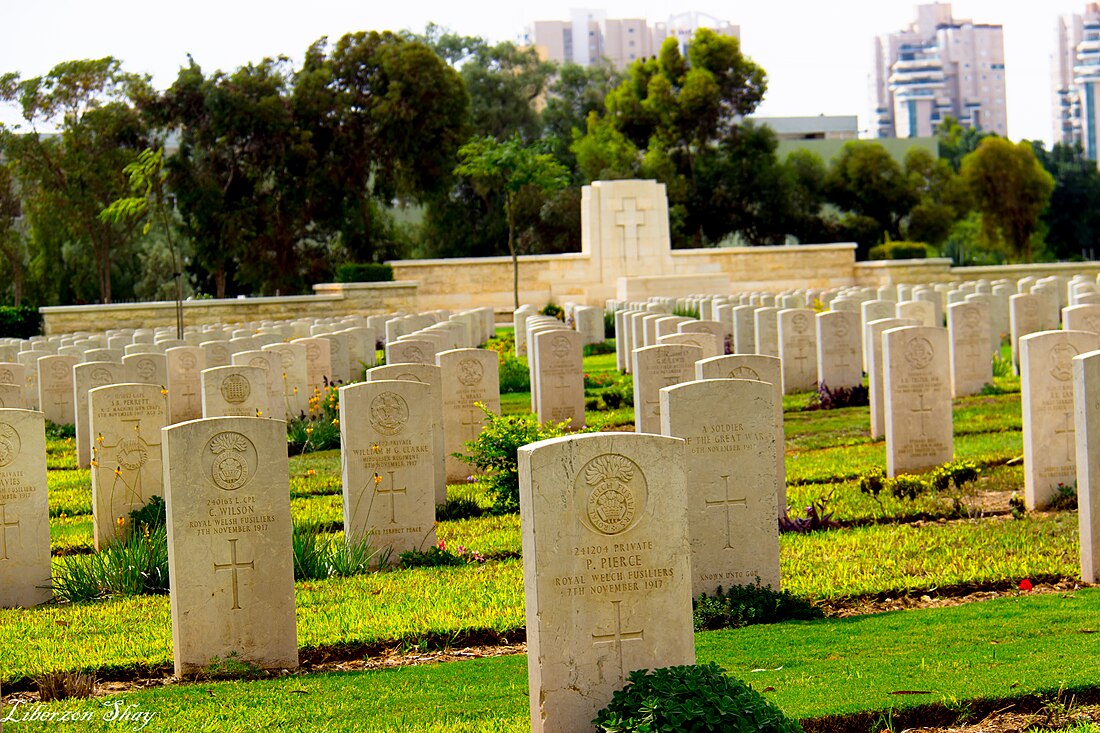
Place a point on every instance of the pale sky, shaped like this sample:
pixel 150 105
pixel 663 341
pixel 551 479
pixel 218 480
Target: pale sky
pixel 817 54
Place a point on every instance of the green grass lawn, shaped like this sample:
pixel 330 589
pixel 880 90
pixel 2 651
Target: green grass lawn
pixel 827 667
pixel 1001 649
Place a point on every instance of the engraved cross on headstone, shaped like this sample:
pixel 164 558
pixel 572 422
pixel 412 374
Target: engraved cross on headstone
pixel 1068 430
pixel 618 637
pixel 234 566
pixel 4 524
pixel 390 493
pixel 728 503
pixel 922 411
pixel 473 424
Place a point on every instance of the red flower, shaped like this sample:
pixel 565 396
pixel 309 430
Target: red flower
pixel 1025 585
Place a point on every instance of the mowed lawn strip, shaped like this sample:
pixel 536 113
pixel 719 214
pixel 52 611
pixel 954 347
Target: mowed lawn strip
pixel 410 605
pixel 999 649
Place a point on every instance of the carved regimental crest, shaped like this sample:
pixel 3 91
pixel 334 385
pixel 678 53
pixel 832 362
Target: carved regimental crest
pixel 235 389
pixel 389 413
pixel 841 327
pixel 1061 361
pixel 9 444
pixel 617 493
pixel 800 323
pixel 146 368
pixel 7 376
pixel 230 460
pixel 470 372
pixel 559 347
pixel 743 372
pixel 187 361
pixel 60 370
pixel 919 352
pixel 133 453
pixel 102 377
pixel 415 355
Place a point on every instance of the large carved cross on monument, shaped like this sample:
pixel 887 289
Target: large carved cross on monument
pixel 234 566
pixel 630 218
pixel 729 502
pixel 618 637
pixel 4 524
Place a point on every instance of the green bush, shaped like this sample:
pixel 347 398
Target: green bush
pixel 745 605
pixel 19 322
pixel 363 272
pixel 693 698
pixel 458 508
pixel 608 325
pixel 515 375
pixel 439 556
pixel 554 311
pixel 135 565
pixel 495 452
pixel 898 251
pixel 604 347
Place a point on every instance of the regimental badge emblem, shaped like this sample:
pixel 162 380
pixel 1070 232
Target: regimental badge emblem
pixel 132 453
pixel 389 413
pixel 743 372
pixel 841 327
pixel 559 347
pixel 235 389
pixel 9 444
pixel 800 323
pixel 470 372
pixel 616 493
pixel 7 376
pixel 919 352
pixel 146 368
pixel 231 460
pixel 1061 361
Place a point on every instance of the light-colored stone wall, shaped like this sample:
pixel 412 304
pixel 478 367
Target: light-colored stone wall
pixel 331 299
pixel 890 272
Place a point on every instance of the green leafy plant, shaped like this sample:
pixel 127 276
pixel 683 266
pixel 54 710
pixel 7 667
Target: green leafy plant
pixel 495 453
pixel 19 322
pixel 872 482
pixel 907 487
pixel 831 399
pixel 60 432
pixel 151 517
pixel 319 429
pixel 364 272
pixel 698 697
pixel 1064 497
pixel 899 251
pixel 135 565
pixel 317 557
pixel 604 347
pixel 439 556
pixel 745 605
pixel 515 376
pixel 1002 367
pixel 816 518
pixel 686 312
pixel 554 311
pixel 458 508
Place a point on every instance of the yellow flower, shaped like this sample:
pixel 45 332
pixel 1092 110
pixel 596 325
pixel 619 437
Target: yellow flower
pixel 377 479
pixel 336 421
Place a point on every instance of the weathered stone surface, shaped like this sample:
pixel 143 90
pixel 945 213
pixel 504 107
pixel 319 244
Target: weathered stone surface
pixel 430 375
pixel 125 421
pixel 25 571
pixel 917 397
pixel 728 426
pixel 291 376
pixel 86 377
pixel 656 367
pixel 388 459
pixel 235 391
pixel 185 365
pixel 468 376
pixel 969 326
pixel 606 569
pixel 707 342
pixel 875 372
pixel 230 556
pixel 1046 394
pixel 839 349
pixel 798 349
pixel 1086 381
pixel 558 364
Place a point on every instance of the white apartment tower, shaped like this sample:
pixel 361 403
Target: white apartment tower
pixel 939 66
pixel 589 36
pixel 1076 72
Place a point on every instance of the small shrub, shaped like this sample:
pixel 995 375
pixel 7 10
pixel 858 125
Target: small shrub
pixel 745 605
pixel 899 251
pixel 872 482
pixel 320 428
pixel 60 432
pixel 495 453
pixel 604 347
pixel 515 376
pixel 1064 498
pixel 151 517
pixel 956 473
pixel 364 272
pixel 135 565
pixel 459 508
pixel 1002 368
pixel 698 697
pixel 1017 507
pixel 554 311
pixel 816 518
pixel 612 399
pixel 598 381
pixel 831 399
pixel 608 324
pixel 439 556
pixel 54 686
pixel 19 322
pixel 907 487
pixel 317 557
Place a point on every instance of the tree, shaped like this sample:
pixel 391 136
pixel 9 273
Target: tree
pixel 1072 219
pixel 866 181
pixel 955 142
pixel 385 117
pixel 805 172
pixel 510 167
pixel 1010 189
pixel 11 239
pixel 504 83
pixel 941 197
pixel 577 93
pixel 76 173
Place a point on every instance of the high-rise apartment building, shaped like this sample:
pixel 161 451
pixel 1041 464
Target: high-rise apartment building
pixel 589 36
pixel 1076 72
pixel 939 66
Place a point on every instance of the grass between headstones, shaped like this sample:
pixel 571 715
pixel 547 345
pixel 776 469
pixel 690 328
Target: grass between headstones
pixel 1002 649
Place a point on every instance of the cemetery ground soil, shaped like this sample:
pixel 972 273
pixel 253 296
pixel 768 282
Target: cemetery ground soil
pixel 945 550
